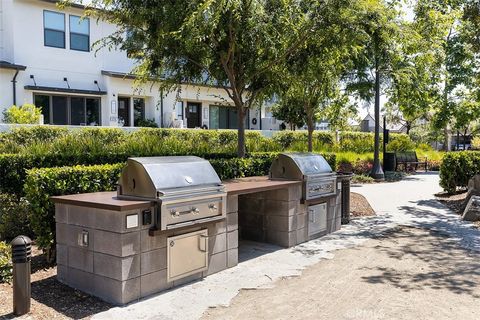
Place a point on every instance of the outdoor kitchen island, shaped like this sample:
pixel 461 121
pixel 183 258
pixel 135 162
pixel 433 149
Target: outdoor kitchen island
pixel 117 248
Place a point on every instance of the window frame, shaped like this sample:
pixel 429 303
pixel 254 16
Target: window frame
pixel 143 112
pixel 45 29
pixel 69 107
pixel 70 32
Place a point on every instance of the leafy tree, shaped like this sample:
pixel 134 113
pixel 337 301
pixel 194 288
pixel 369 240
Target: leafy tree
pixel 441 22
pixel 25 114
pixel 465 115
pixel 291 111
pixel 378 63
pixel 236 45
pixel 413 90
pixel 311 79
pixel 340 111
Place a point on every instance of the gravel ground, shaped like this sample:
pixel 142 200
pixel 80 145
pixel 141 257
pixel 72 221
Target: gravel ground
pixel 410 273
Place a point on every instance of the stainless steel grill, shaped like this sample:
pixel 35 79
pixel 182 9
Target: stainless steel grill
pixel 317 175
pixel 319 185
pixel 185 190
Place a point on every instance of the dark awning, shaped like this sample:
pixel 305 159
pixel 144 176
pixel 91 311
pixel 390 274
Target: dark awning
pixel 116 74
pixel 7 65
pixel 66 90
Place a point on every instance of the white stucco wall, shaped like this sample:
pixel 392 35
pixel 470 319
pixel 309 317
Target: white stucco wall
pixel 22 43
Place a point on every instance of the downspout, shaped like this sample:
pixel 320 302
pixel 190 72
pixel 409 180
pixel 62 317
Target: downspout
pixel 161 108
pixel 14 87
pixel 260 124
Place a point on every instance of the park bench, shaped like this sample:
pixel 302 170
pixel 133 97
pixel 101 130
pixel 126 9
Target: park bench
pixel 409 159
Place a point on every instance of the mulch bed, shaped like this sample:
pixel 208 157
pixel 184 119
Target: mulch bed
pixel 359 206
pixel 454 202
pixel 50 298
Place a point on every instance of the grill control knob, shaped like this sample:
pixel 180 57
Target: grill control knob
pixel 212 206
pixel 174 213
pixel 195 210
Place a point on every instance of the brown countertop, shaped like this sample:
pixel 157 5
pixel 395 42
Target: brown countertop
pixel 101 200
pixel 256 184
pixel 108 200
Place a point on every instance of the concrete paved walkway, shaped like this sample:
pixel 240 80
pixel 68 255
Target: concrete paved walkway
pixel 409 202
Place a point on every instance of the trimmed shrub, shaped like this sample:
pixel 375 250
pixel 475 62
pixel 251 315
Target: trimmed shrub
pixel 14 167
pixel 43 183
pixel 290 139
pixel 5 262
pixel 13 217
pixel 457 168
pixel 25 114
pixel 401 143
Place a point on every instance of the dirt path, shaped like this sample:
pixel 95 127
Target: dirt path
pixel 409 274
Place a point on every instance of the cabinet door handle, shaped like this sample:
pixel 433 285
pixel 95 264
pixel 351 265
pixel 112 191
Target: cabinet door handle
pixel 203 243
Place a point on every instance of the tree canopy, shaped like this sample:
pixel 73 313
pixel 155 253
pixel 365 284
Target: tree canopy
pixel 236 45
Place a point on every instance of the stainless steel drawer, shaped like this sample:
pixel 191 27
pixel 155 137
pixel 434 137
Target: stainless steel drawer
pixel 317 218
pixel 187 254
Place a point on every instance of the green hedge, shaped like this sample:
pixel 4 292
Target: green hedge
pixel 43 140
pixel 43 183
pixel 457 168
pixel 5 262
pixel 14 167
pixel 13 217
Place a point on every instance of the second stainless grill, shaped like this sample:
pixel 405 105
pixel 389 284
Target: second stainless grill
pixel 185 190
pixel 317 175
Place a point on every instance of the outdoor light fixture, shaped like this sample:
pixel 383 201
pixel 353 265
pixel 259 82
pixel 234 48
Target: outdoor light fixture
pixel 33 78
pixel 96 82
pixel 66 80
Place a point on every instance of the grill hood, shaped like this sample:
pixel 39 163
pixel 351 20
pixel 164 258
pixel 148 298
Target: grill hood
pixel 155 177
pixel 299 166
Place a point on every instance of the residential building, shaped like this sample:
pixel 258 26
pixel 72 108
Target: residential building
pixel 46 58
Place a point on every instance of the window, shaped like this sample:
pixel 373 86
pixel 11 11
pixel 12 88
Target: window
pixel 54 29
pixel 79 33
pixel 93 111
pixel 138 111
pixel 43 102
pixel 77 111
pixel 59 110
pixel 222 117
pixel 179 108
pixel 65 110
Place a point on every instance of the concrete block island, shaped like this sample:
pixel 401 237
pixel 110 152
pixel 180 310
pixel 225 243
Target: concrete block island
pixel 173 221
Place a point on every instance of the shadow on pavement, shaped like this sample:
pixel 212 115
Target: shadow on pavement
pixel 446 264
pixel 251 249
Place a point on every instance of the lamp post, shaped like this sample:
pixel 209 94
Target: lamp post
pixel 377 171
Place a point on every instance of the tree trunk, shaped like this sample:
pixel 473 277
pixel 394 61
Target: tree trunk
pixel 446 139
pixel 408 126
pixel 241 132
pixel 377 171
pixel 310 139
pixel 310 128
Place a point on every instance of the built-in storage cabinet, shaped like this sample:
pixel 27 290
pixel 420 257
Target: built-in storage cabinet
pixel 317 219
pixel 187 254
